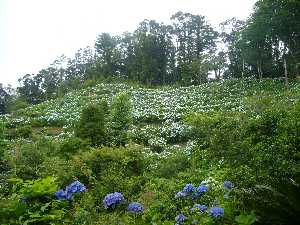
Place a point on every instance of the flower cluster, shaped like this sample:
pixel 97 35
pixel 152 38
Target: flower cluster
pixel 180 218
pixel 113 199
pixel 216 212
pixel 190 190
pixel 135 207
pixel 180 194
pixel 202 208
pixel 67 194
pixel 228 185
pixel 202 189
pixel 75 187
pixel 195 192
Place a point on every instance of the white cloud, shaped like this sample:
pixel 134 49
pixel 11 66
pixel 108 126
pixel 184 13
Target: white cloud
pixel 37 31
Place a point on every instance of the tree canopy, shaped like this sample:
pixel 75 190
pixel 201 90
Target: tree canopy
pixel 184 52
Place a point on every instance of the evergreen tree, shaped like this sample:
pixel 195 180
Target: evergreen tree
pixel 93 124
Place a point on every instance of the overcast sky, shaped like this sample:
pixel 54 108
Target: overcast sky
pixel 34 32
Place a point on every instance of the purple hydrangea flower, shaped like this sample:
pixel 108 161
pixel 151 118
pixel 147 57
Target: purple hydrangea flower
pixel 202 208
pixel 228 184
pixel 67 194
pixel 180 194
pixel 216 212
pixel 60 194
pixel 189 188
pixel 113 199
pixel 75 187
pixel 135 207
pixel 180 218
pixel 202 189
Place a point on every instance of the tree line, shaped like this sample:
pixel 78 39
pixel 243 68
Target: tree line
pixel 185 52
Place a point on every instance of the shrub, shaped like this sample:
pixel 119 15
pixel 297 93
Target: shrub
pixel 20 132
pixel 24 131
pixel 37 188
pixel 27 157
pixel 128 161
pixel 170 166
pixel 18 104
pixel 116 169
pixel 261 153
pixel 92 124
pixel 2 141
pixel 121 118
pixel 32 203
pixel 72 146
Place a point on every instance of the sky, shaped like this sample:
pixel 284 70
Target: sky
pixel 33 33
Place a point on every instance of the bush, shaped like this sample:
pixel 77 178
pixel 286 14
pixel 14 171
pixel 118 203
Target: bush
pixel 32 202
pixel 125 160
pixel 4 166
pixel 172 165
pixel 121 118
pixel 18 104
pixel 20 132
pixel 92 124
pixel 115 169
pixel 2 141
pixel 24 131
pixel 262 153
pixel 27 157
pixel 72 146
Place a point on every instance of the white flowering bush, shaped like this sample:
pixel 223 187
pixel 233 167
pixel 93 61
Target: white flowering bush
pixel 154 105
pixel 157 144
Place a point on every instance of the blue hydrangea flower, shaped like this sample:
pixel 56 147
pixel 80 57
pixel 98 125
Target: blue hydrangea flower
pixel 189 188
pixel 228 184
pixel 135 207
pixel 195 222
pixel 202 208
pixel 60 194
pixel 180 194
pixel 113 199
pixel 67 194
pixel 202 189
pixel 180 218
pixel 75 187
pixel 216 212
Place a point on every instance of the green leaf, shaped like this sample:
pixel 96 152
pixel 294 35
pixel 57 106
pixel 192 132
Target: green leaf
pixel 44 207
pixel 246 219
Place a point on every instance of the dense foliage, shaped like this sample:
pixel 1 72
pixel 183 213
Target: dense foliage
pixel 219 153
pixel 92 124
pixel 167 145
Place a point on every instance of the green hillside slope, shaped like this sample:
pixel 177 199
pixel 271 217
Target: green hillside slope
pixel 219 153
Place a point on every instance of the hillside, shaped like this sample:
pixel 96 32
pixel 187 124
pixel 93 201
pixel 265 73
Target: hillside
pixel 179 137
pixel 157 104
